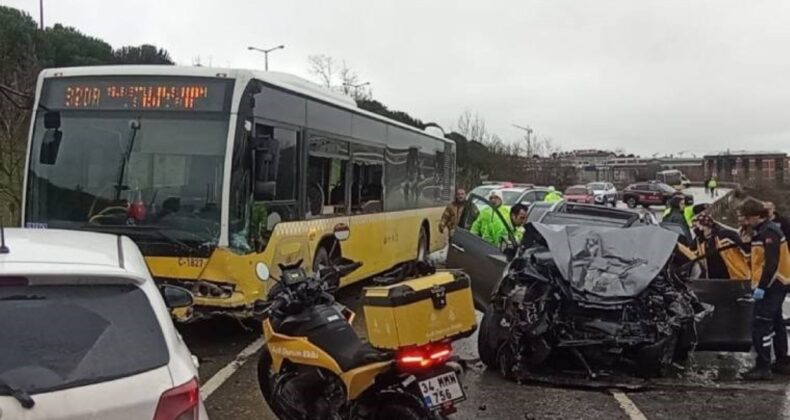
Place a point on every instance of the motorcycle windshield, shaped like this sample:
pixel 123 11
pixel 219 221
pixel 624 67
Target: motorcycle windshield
pixel 603 263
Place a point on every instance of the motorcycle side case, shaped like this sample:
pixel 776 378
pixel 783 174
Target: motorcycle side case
pixel 420 311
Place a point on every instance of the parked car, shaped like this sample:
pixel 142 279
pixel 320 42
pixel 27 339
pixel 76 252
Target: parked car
pixel 579 194
pixel 652 193
pixel 531 195
pixel 728 329
pixel 604 192
pixel 511 195
pixel 484 190
pixel 85 332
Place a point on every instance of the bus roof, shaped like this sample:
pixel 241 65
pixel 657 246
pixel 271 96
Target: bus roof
pixel 285 81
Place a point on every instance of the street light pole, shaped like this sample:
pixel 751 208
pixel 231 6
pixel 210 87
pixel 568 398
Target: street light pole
pixel 529 130
pixel 266 52
pixel 356 87
pixel 41 13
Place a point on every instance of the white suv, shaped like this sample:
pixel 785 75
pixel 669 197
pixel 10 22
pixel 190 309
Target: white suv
pixel 85 333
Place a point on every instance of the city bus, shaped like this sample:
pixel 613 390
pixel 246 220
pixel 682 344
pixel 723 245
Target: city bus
pixel 222 175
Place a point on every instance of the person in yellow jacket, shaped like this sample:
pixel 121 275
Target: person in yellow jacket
pixel 488 225
pixel 552 196
pixel 770 273
pixel 721 249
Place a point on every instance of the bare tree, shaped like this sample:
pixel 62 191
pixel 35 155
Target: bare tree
pixel 323 68
pixel 545 147
pixel 473 127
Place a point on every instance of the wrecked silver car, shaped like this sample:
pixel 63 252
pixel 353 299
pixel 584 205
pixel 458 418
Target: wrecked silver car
pixel 590 298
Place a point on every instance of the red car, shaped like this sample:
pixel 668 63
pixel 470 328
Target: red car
pixel 651 193
pixel 579 194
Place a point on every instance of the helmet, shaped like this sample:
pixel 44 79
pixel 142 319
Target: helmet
pixel 551 188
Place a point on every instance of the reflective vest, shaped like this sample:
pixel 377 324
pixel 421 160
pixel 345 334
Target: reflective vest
pixel 552 197
pixel 489 226
pixel 688 214
pixel 758 255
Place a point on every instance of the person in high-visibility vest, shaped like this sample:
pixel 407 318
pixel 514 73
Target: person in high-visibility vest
pixel 552 196
pixel 688 211
pixel 712 185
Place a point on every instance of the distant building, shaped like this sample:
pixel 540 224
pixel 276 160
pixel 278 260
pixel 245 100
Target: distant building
pixel 588 157
pixel 749 168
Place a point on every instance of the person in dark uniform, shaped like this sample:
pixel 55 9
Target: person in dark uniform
pixel 770 272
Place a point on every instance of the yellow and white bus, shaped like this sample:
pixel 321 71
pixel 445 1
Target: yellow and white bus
pixel 220 175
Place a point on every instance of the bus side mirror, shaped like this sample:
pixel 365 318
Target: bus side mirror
pixel 50 146
pixel 52 120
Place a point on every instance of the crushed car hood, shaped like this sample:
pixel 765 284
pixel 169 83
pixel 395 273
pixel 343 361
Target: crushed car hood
pixel 607 263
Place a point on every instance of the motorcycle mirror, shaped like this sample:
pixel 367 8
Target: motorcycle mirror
pixel 262 271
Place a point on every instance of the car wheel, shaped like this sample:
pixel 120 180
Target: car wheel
pixel 631 202
pixel 488 338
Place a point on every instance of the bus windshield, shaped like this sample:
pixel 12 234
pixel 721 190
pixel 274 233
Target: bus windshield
pixel 154 176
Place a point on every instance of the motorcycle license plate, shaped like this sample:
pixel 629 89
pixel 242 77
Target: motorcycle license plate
pixel 441 389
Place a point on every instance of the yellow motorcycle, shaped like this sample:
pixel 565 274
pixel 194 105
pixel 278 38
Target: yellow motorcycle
pixel 315 366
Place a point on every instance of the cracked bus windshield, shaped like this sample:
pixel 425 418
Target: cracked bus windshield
pixel 155 176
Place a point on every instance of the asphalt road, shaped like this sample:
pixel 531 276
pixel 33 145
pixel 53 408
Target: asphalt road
pixel 706 388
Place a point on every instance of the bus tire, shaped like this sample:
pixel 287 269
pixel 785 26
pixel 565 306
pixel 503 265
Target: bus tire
pixel 322 258
pixel 422 245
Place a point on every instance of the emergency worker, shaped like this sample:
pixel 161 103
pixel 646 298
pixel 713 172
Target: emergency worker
pixel 770 273
pixel 688 211
pixel 675 214
pixel 552 196
pixel 488 225
pixel 777 218
pixel 721 249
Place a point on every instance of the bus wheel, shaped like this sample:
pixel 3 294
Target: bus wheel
pixel 422 245
pixel 322 259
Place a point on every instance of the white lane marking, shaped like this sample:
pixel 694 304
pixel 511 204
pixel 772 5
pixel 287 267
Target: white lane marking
pixel 226 372
pixel 628 406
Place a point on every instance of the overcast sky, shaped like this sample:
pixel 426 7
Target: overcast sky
pixel 646 76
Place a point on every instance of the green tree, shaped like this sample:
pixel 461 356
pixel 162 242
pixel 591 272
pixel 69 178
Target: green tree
pixel 144 54
pixel 67 47
pixel 19 65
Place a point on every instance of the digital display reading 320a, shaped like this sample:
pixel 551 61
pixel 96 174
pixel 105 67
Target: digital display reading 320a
pixel 139 93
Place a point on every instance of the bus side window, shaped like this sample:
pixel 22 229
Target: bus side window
pixel 367 189
pixel 327 173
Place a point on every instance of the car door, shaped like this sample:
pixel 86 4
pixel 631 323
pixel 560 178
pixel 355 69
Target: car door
pixel 482 261
pixel 729 327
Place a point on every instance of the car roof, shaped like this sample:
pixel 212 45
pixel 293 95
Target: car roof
pixel 38 250
pixel 513 189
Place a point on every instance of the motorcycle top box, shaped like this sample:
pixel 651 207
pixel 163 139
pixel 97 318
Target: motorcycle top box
pixel 420 311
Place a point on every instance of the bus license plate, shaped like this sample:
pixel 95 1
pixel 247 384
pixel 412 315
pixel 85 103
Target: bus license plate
pixel 441 389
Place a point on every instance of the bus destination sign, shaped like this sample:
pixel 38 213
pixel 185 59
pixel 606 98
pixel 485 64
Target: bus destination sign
pixel 141 94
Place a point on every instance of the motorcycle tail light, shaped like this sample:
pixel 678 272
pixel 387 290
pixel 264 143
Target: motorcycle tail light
pixel 179 403
pixel 423 357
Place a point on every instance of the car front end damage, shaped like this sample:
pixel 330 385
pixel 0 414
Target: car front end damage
pixel 592 300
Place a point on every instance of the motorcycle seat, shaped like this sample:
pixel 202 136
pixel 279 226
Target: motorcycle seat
pixel 344 346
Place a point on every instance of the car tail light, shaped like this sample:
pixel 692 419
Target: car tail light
pixel 423 357
pixel 179 403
